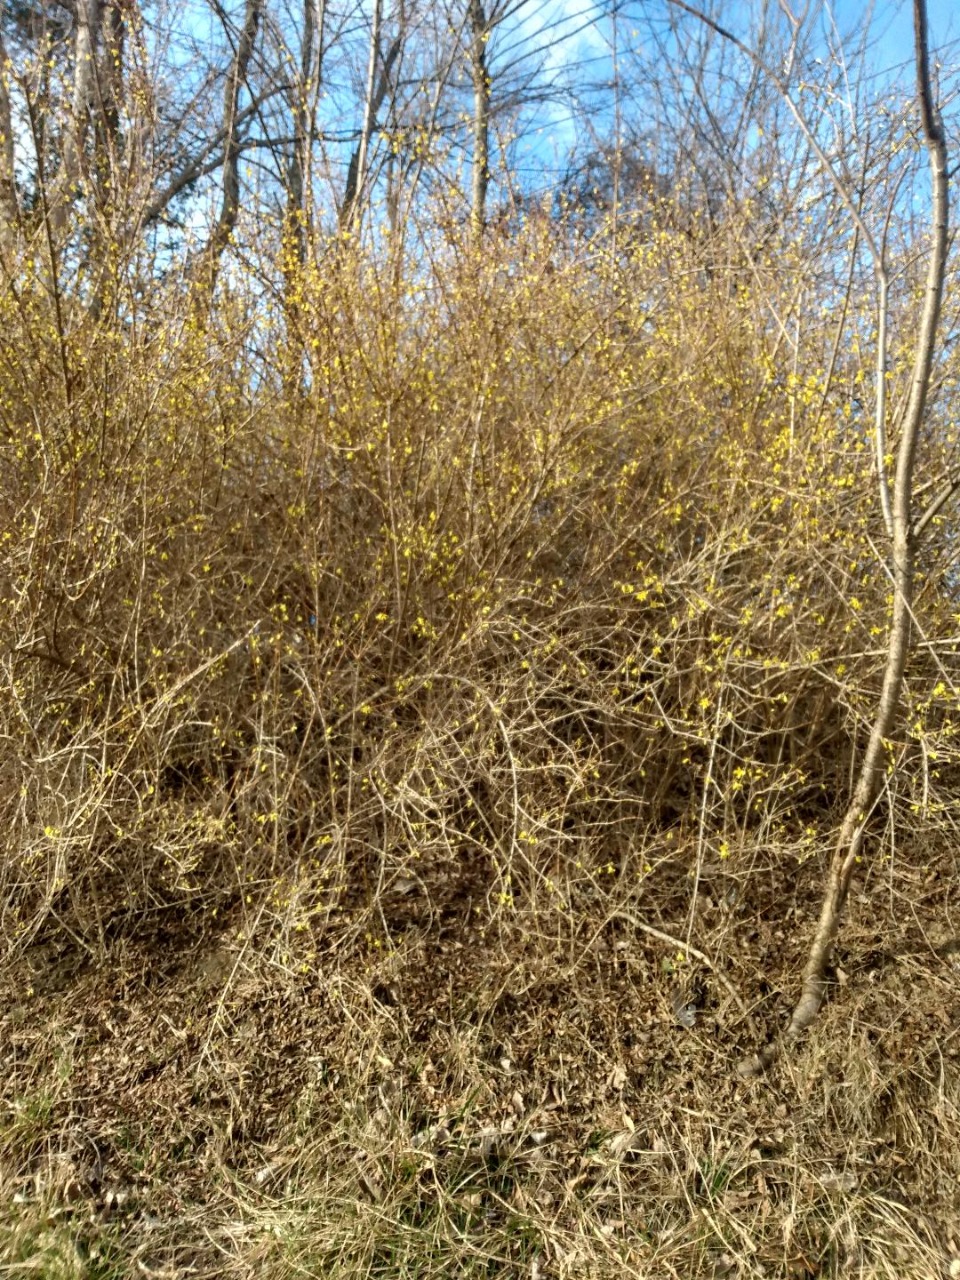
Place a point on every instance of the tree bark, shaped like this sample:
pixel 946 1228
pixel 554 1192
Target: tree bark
pixel 298 168
pixel 377 87
pixel 110 92
pixel 9 205
pixel 76 129
pixel 296 222
pixel 479 35
pixel 107 210
pixel 230 203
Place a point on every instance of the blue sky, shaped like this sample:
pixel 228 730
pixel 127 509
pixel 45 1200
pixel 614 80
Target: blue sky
pixel 893 24
pixel 581 31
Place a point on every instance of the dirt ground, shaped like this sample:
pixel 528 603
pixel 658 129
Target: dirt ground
pixel 432 1084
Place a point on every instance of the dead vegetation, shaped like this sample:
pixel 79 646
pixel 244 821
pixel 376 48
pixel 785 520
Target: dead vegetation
pixel 506 1097
pixel 417 790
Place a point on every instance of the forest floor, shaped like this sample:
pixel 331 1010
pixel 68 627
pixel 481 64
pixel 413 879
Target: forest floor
pixel 440 1084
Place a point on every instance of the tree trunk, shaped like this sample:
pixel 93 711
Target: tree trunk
pixel 377 87
pixel 86 43
pixel 479 35
pixel 108 208
pixel 297 212
pixel 9 206
pixel 850 839
pixel 230 203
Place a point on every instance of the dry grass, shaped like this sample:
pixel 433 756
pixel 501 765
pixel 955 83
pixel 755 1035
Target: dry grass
pixel 416 792
pixel 489 1098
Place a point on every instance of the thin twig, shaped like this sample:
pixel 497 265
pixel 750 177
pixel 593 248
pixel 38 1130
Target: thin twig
pixel 652 931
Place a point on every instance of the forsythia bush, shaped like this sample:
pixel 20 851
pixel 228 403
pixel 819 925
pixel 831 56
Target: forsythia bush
pixel 545 559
